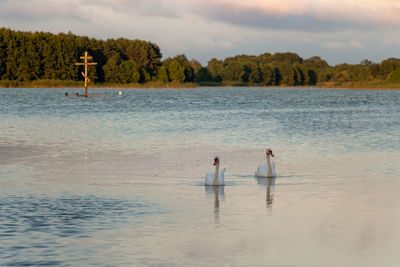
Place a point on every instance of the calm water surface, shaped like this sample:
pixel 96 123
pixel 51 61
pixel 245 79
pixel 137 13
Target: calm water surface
pixel 118 181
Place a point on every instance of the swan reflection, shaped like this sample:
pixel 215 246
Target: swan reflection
pixel 268 182
pixel 216 191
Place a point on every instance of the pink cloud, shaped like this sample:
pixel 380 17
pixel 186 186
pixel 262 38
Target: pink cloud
pixel 367 12
pixel 353 44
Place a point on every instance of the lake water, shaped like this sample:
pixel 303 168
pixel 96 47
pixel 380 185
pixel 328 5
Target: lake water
pixel 118 180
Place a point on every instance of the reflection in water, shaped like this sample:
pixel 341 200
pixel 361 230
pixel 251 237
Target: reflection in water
pixel 80 180
pixel 66 216
pixel 85 158
pixel 218 191
pixel 268 182
pixel 35 225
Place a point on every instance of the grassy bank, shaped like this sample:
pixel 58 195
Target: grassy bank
pixel 80 84
pixel 156 84
pixel 361 85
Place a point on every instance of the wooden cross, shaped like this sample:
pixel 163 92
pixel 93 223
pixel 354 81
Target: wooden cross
pixel 86 64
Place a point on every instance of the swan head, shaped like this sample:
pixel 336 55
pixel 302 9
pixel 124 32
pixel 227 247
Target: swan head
pixel 269 152
pixel 216 160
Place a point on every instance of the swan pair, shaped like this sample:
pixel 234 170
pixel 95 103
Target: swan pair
pixel 265 170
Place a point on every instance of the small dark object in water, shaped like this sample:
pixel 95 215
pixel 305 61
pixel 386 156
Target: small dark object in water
pixel 66 93
pixel 77 94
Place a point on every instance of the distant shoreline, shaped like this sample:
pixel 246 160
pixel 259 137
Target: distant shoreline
pixel 78 86
pixel 189 88
pixel 36 59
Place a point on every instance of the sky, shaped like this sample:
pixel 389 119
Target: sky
pixel 339 31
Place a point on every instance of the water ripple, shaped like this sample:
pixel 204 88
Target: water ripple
pixel 66 216
pixel 36 226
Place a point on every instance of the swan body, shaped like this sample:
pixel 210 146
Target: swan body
pixel 217 177
pixel 262 170
pixel 266 169
pixel 209 180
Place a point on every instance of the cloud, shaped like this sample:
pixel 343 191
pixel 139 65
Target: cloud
pixel 353 44
pixel 336 30
pixel 261 20
pixel 83 10
pixel 155 8
pixel 290 15
pixel 37 10
pixel 301 15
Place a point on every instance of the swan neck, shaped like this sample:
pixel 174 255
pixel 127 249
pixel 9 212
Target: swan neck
pixel 216 173
pixel 269 174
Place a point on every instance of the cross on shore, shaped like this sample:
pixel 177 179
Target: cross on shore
pixel 85 74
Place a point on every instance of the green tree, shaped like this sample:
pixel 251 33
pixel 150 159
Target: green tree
pixel 292 77
pixel 234 71
pixel 263 59
pixel 394 77
pixel 176 71
pixel 203 75
pixel 366 62
pixel 284 58
pixel 188 69
pixel 267 75
pixel 316 62
pixel 49 58
pixel 342 76
pixel 362 72
pixel 216 68
pixel 11 53
pixel 144 75
pixel 163 74
pixel 111 69
pixel 304 75
pixel 196 66
pixel 313 78
pixel 286 74
pixel 142 53
pixel 129 73
pixel 386 67
pixel 374 70
pixel 2 55
pixel 253 73
pixel 277 76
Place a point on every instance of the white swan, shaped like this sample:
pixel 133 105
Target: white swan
pixel 267 169
pixel 216 178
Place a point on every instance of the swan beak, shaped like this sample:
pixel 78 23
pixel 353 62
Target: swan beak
pixel 215 161
pixel 272 154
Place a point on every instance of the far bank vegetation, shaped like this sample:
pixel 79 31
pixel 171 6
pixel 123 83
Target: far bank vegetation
pixel 45 59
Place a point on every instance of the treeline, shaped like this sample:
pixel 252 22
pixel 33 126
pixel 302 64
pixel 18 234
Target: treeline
pixel 32 57
pixel 289 69
pixel 26 56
